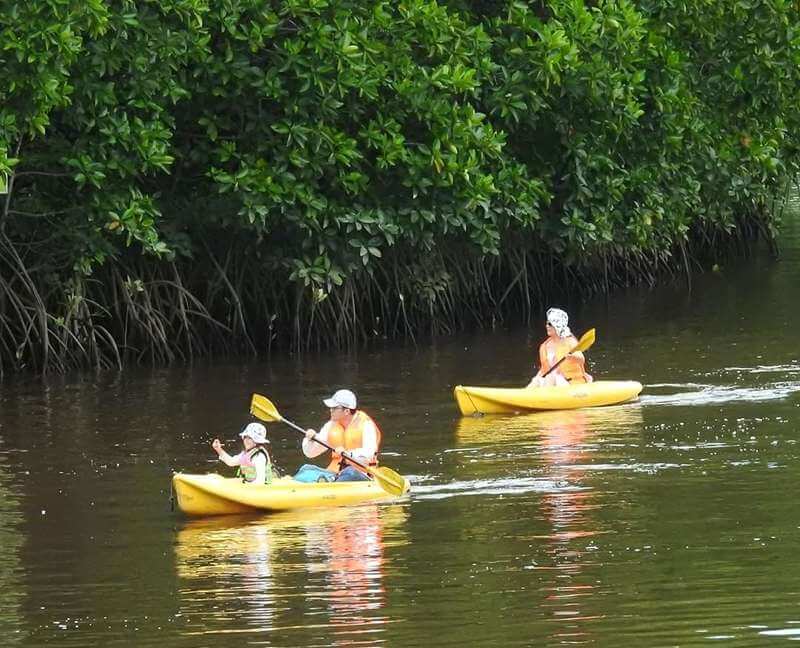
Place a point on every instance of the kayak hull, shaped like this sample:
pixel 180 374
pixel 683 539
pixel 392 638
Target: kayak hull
pixel 212 494
pixel 499 400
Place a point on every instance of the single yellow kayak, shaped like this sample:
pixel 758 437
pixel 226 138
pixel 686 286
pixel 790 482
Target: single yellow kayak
pixel 212 494
pixel 499 400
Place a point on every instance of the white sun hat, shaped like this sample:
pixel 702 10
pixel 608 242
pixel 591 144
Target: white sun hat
pixel 559 320
pixel 342 398
pixel 256 432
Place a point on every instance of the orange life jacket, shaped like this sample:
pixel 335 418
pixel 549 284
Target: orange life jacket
pixel 350 438
pixel 571 368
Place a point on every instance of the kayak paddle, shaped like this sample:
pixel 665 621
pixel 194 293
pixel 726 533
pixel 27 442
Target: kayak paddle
pixel 392 482
pixel 587 340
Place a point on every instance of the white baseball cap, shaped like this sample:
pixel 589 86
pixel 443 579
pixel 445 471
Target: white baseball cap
pixel 342 398
pixel 256 432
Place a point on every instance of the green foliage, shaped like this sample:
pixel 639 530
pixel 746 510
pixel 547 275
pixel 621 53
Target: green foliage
pixel 358 129
pixel 332 140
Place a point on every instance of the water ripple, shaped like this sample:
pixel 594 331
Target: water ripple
pixel 504 486
pixel 792 368
pixel 704 394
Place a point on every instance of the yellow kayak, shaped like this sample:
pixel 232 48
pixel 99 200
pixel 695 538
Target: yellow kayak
pixel 498 400
pixel 212 494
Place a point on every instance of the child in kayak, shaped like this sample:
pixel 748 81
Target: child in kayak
pixel 557 345
pixel 254 463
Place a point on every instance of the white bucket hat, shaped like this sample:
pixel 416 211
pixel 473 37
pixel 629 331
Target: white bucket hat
pixel 342 398
pixel 559 320
pixel 256 432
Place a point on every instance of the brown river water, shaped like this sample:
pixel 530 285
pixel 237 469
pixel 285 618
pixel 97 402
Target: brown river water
pixel 672 521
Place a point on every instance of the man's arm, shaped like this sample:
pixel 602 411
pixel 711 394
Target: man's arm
pixel 313 449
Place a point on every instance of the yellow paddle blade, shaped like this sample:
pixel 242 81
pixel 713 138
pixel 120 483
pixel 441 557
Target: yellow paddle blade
pixel 587 340
pixel 262 407
pixel 389 480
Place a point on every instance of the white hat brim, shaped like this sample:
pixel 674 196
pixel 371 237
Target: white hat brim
pixel 255 439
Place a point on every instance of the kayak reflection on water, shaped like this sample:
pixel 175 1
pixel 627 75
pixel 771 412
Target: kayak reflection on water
pixel 568 595
pixel 560 446
pixel 533 425
pixel 254 568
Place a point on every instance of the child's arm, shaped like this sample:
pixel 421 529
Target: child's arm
pixel 223 456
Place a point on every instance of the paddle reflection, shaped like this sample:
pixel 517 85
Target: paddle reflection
pixel 563 442
pixel 245 575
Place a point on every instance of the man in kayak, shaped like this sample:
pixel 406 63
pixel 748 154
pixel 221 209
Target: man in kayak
pixel 557 345
pixel 254 463
pixel 351 432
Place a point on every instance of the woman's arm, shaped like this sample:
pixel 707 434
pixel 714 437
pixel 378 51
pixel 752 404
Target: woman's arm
pixel 544 361
pixel 578 355
pixel 544 365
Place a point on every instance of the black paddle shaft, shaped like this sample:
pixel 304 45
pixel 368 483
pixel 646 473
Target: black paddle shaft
pixel 555 366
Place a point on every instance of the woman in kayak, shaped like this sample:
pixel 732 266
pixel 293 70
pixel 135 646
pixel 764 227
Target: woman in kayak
pixel 254 463
pixel 349 431
pixel 557 345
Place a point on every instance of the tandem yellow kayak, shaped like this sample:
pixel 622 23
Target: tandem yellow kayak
pixel 499 400
pixel 212 494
